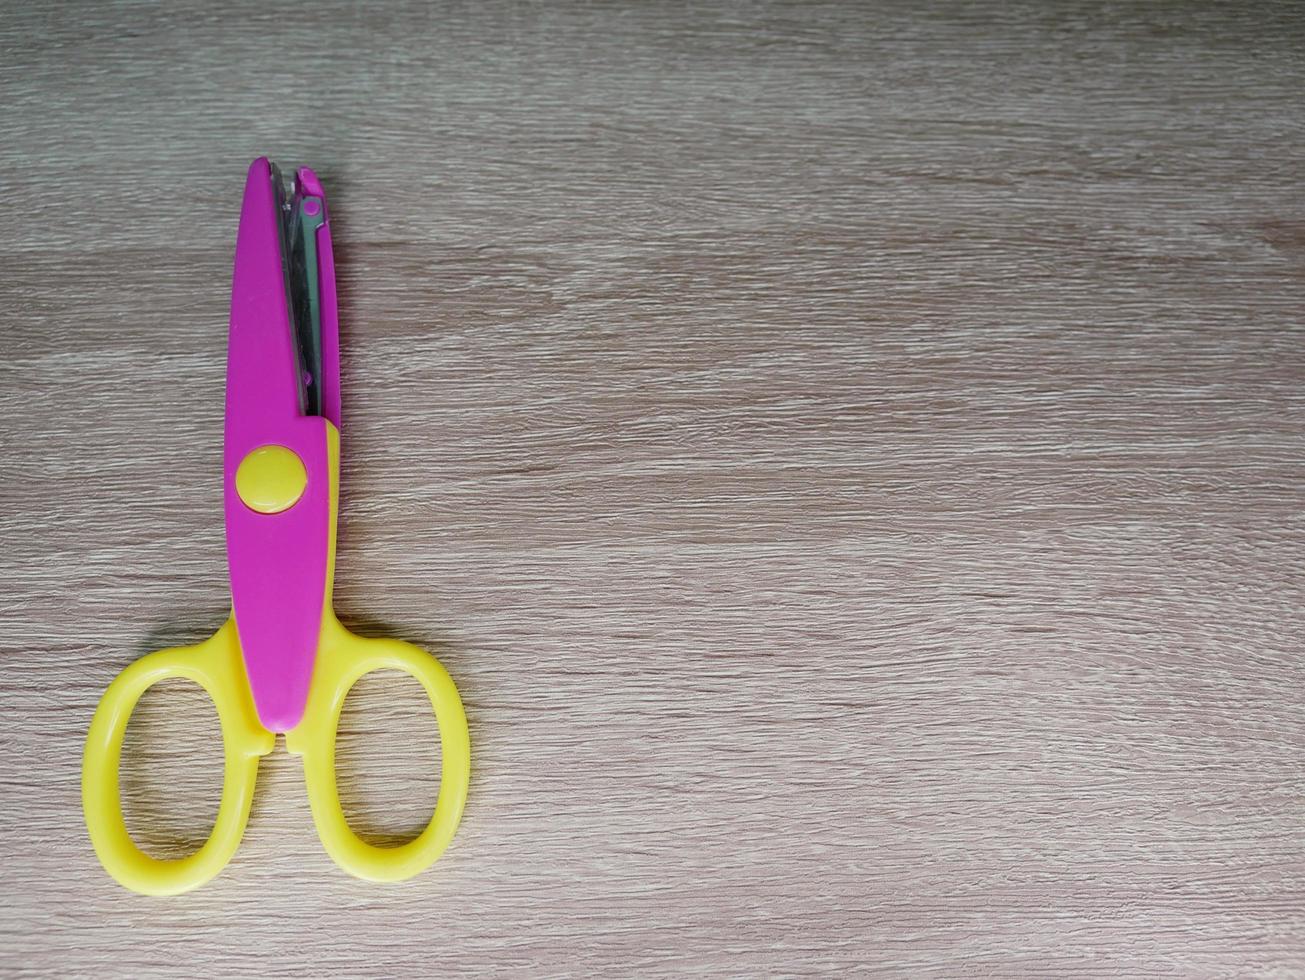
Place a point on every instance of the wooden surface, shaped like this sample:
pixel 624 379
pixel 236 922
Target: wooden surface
pixel 850 458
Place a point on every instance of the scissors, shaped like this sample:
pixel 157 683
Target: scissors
pixel 281 663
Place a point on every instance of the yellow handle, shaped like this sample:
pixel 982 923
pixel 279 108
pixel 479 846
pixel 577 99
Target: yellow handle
pixel 342 659
pixel 216 666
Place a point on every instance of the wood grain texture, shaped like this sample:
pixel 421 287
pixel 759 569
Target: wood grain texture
pixel 849 456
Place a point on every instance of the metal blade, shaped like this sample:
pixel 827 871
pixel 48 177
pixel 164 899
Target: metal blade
pixel 300 217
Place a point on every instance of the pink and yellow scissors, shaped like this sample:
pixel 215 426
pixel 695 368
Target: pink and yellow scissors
pixel 281 663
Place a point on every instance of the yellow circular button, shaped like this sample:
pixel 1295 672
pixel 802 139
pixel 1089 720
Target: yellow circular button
pixel 271 479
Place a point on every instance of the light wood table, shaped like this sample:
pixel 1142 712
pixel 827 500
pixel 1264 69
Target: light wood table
pixel 851 458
